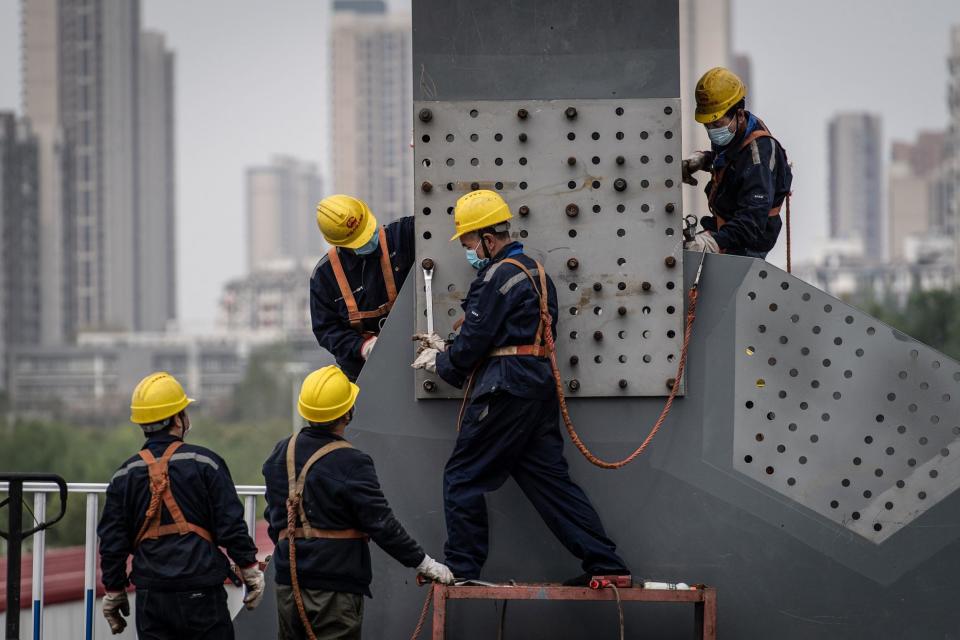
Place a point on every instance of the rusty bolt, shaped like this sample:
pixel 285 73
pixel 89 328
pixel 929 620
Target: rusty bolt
pixel 671 382
pixel 524 210
pixel 571 113
pixel 522 137
pixel 622 311
pixel 571 161
pixel 574 360
pixel 646 286
pixel 426 187
pixel 474 185
pixel 573 263
pixel 598 335
pixel 427 263
pixel 572 210
pixel 670 261
pixel 671 207
pixel 597 286
pixel 573 384
pixel 425 115
pixel 621 159
pixel 622 383
pixel 620 184
pixel 522 114
pixel 429 385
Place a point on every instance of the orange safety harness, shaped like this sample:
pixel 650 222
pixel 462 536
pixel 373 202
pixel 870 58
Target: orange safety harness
pixel 160 491
pixel 718 175
pixel 354 315
pixel 295 512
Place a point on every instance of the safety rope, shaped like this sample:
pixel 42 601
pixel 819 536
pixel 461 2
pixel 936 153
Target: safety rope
pixel 157 488
pixel 616 592
pixel 423 614
pixel 789 239
pixel 293 505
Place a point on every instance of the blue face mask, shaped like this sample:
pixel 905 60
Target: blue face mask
pixel 370 247
pixel 476 261
pixel 721 136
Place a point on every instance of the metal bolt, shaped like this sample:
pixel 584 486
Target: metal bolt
pixel 573 263
pixel 574 384
pixel 474 185
pixel 622 311
pixel 621 159
pixel 572 210
pixel 670 261
pixel 571 113
pixel 426 115
pixel 426 187
pixel 571 161
pixel 598 335
pixel 621 286
pixel 574 360
pixel 671 207
pixel 646 286
pixel 522 137
pixel 620 184
pixel 522 114
pixel 429 385
pixel 524 210
pixel 622 383
pixel 597 286
pixel 427 263
pixel 671 382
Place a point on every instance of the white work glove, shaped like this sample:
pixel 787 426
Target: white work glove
pixel 429 341
pixel 434 570
pixel 115 607
pixel 367 347
pixel 253 578
pixel 427 360
pixel 697 161
pixel 704 242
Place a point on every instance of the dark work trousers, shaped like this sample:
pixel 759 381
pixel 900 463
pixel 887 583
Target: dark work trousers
pixel 333 615
pixel 503 435
pixel 198 614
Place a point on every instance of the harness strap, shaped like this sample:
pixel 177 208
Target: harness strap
pixel 354 315
pixel 160 491
pixel 327 534
pixel 538 348
pixel 295 485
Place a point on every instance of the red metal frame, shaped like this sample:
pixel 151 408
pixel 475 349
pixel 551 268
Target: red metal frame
pixel 704 600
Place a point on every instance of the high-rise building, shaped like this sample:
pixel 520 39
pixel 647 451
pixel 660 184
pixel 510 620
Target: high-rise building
pixel 950 183
pixel 281 213
pixel 372 106
pixel 83 91
pixel 913 208
pixel 19 238
pixel 157 286
pixel 855 173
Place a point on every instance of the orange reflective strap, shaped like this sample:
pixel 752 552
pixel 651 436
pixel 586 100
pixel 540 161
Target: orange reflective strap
pixel 354 315
pixel 160 490
pixel 387 268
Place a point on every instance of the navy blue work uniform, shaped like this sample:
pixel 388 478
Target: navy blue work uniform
pixel 179 578
pixel 751 184
pixel 364 274
pixel 341 492
pixel 510 425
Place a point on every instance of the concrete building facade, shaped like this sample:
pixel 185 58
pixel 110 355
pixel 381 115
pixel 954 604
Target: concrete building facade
pixel 913 208
pixel 855 174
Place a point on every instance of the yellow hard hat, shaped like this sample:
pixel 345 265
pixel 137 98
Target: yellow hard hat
pixel 479 210
pixel 326 394
pixel 717 91
pixel 346 221
pixel 156 398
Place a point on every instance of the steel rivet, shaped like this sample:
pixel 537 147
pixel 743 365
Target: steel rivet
pixel 597 286
pixel 574 384
pixel 426 115
pixel 670 207
pixel 622 311
pixel 671 382
pixel 427 263
pixel 620 184
pixel 670 261
pixel 621 159
pixel 646 286
pixel 522 114
pixel 571 161
pixel 524 210
pixel 429 385
pixel 574 359
pixel 598 335
pixel 571 113
pixel 622 383
pixel 522 137
pixel 426 187
pixel 573 263
pixel 572 210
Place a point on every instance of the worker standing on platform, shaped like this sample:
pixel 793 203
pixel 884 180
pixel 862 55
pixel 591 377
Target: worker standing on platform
pixel 750 175
pixel 323 505
pixel 173 506
pixel 354 286
pixel 509 423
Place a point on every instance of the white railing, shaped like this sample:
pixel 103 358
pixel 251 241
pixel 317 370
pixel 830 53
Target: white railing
pixel 92 490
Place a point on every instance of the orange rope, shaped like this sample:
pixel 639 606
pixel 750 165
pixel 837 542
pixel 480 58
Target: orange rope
pixel 157 487
pixel 789 239
pixel 423 614
pixel 292 507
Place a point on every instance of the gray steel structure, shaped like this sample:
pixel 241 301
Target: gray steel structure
pixel 787 561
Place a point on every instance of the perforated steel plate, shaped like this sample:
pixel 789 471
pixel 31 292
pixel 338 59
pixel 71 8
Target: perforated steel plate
pixel 594 188
pixel 838 411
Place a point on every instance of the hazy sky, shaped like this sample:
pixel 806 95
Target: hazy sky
pixel 251 82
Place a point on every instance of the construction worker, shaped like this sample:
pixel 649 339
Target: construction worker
pixel 354 286
pixel 326 494
pixel 510 420
pixel 750 175
pixel 173 507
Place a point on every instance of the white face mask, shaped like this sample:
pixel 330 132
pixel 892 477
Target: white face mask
pixel 722 136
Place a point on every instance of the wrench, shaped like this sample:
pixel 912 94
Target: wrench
pixel 427 266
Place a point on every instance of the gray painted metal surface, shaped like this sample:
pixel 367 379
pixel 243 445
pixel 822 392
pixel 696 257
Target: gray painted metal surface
pixel 596 199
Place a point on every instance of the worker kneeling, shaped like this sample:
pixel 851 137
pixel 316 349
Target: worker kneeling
pixel 173 506
pixel 323 504
pixel 510 421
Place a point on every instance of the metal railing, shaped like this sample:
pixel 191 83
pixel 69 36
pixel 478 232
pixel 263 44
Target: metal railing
pixel 247 492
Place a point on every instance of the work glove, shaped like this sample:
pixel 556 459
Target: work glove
pixel 704 242
pixel 253 578
pixel 367 347
pixel 429 341
pixel 435 571
pixel 427 360
pixel 697 161
pixel 115 608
